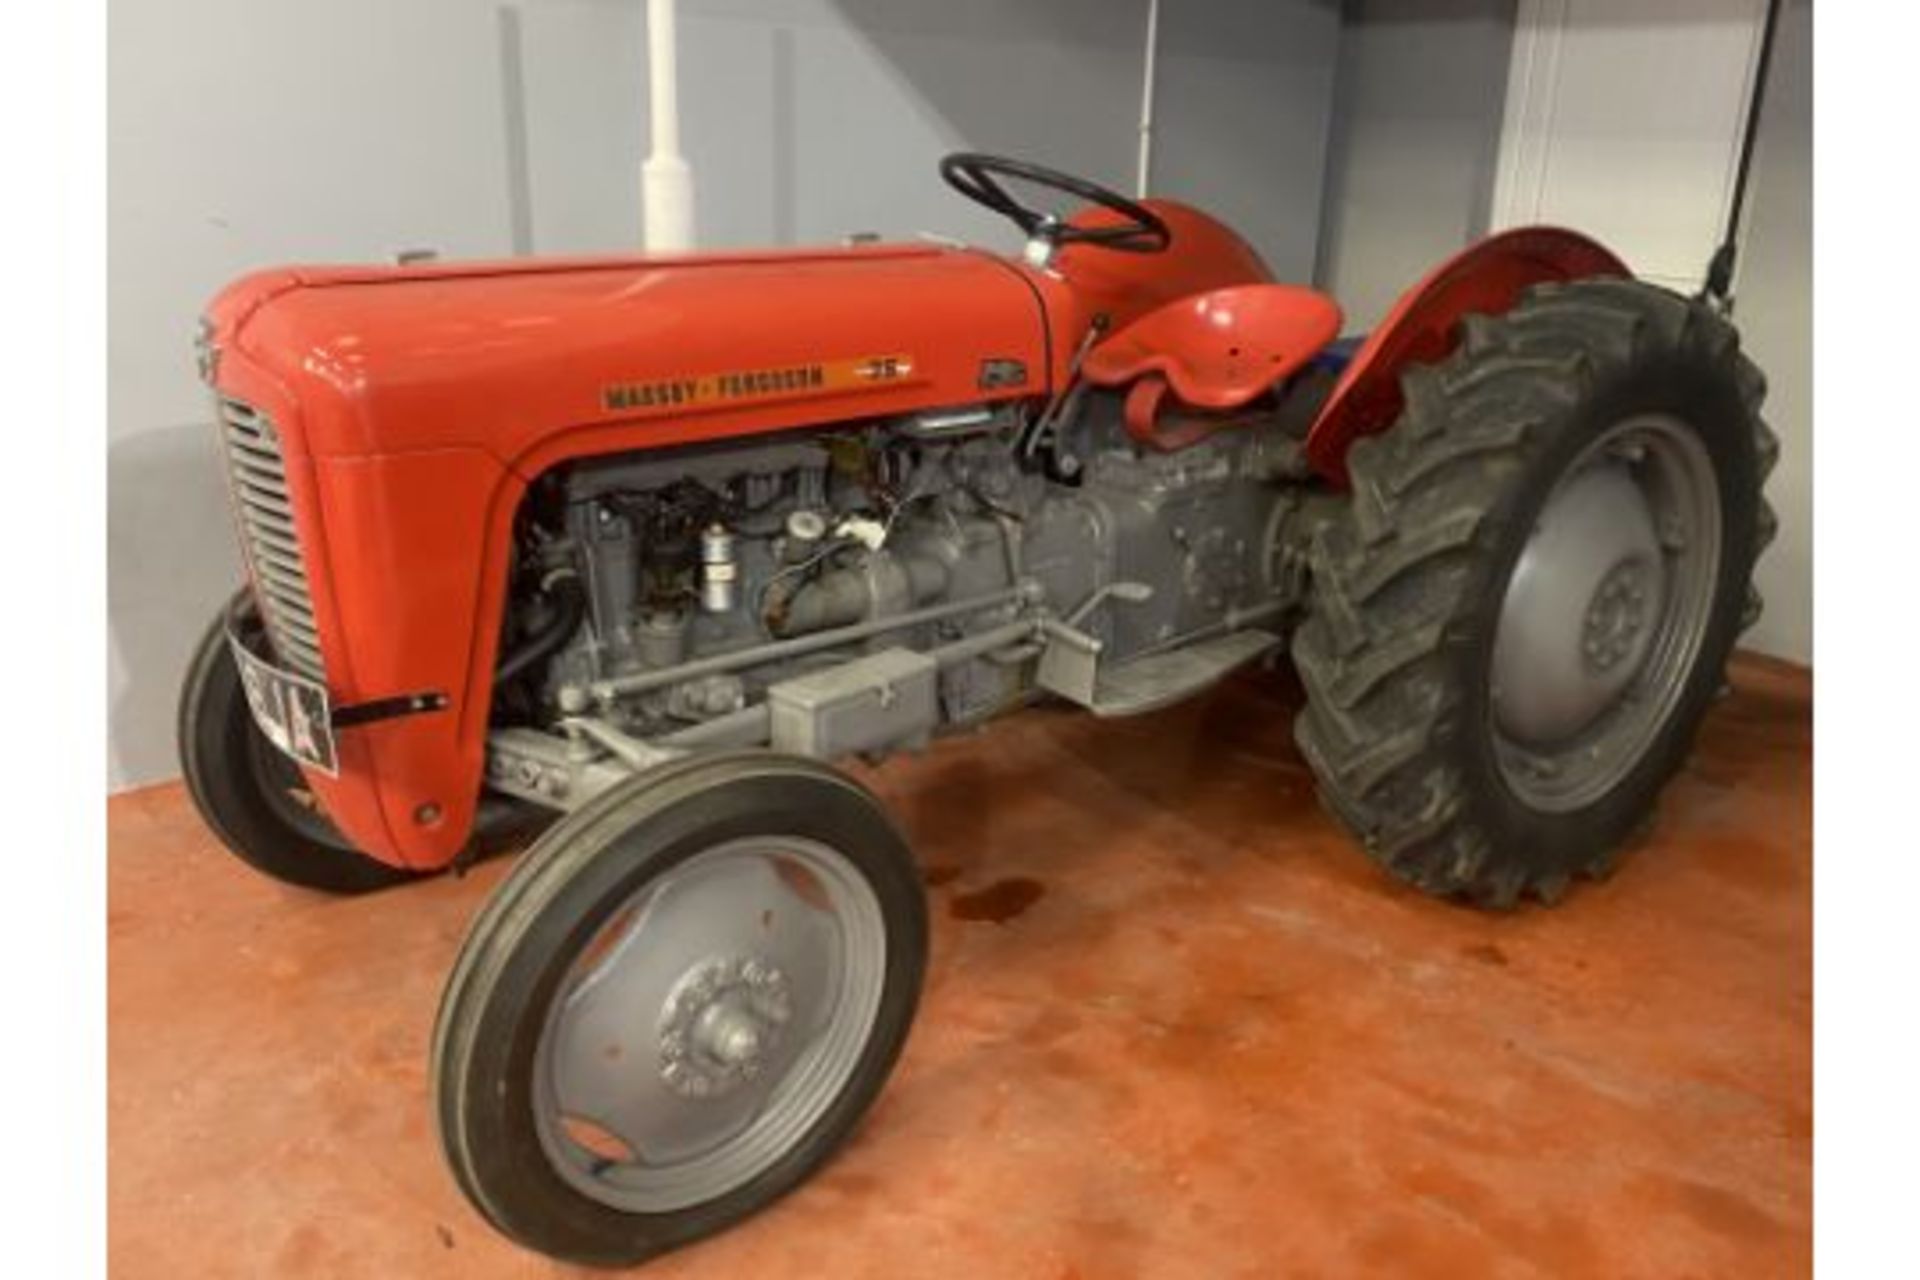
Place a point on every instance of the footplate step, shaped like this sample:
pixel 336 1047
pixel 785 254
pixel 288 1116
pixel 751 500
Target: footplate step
pixel 1149 683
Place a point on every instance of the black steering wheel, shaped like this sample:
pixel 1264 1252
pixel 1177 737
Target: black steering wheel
pixel 973 174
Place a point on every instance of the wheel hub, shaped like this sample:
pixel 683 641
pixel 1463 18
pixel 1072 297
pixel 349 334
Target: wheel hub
pixel 1605 612
pixel 721 1024
pixel 1617 616
pixel 1578 609
pixel 716 1015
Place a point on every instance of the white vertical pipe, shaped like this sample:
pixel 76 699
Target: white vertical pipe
pixel 666 180
pixel 1146 98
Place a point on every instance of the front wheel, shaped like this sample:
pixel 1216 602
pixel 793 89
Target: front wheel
pixel 1526 609
pixel 678 1005
pixel 253 797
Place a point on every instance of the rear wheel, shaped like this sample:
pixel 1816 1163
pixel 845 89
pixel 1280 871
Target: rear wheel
pixel 252 796
pixel 678 1005
pixel 1526 609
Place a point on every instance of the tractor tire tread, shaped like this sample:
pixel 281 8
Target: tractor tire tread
pixel 1393 577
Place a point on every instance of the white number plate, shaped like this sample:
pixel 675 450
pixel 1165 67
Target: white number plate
pixel 291 710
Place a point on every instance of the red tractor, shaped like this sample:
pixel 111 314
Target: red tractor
pixel 646 542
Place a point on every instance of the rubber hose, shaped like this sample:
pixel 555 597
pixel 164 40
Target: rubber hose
pixel 570 607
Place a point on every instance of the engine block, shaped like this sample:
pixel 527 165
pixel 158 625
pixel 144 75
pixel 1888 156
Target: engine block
pixel 862 587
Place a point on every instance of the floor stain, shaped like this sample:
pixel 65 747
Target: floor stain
pixel 1485 953
pixel 999 902
pixel 1724 1212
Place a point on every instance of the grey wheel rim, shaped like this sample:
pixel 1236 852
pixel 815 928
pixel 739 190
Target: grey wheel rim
pixel 704 1030
pixel 1604 615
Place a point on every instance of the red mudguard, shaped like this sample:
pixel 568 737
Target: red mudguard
pixel 1423 326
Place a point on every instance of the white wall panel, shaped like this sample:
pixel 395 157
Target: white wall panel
pixel 1624 120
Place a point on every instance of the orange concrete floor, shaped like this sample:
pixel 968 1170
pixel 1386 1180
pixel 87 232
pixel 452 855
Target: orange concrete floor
pixel 1175 1025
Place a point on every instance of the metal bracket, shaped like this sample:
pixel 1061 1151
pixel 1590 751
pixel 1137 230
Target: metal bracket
pixel 547 769
pixel 406 704
pixel 1070 663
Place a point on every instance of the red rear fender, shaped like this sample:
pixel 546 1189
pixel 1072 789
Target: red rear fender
pixel 1423 326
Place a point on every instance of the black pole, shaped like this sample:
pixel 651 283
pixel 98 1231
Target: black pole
pixel 1719 283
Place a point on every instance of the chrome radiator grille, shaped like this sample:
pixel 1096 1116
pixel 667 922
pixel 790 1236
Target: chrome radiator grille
pixel 258 480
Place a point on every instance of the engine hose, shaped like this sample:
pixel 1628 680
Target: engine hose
pixel 569 600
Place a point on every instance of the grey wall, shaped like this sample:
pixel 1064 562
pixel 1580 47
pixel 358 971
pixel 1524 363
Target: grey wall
pixel 805 119
pixel 247 132
pixel 1774 309
pixel 1243 110
pixel 240 133
pixel 1415 140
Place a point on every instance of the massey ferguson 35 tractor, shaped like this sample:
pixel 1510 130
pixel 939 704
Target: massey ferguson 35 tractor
pixel 650 541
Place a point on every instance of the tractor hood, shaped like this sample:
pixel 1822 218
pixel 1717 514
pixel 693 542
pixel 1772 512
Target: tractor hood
pixel 534 360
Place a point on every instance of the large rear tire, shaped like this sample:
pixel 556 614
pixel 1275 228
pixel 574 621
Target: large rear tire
pixel 678 1005
pixel 1526 609
pixel 253 797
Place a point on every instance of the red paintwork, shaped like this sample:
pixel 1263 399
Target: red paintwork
pixel 513 357
pixel 1086 281
pixel 1486 277
pixel 1141 413
pixel 415 405
pixel 1221 348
